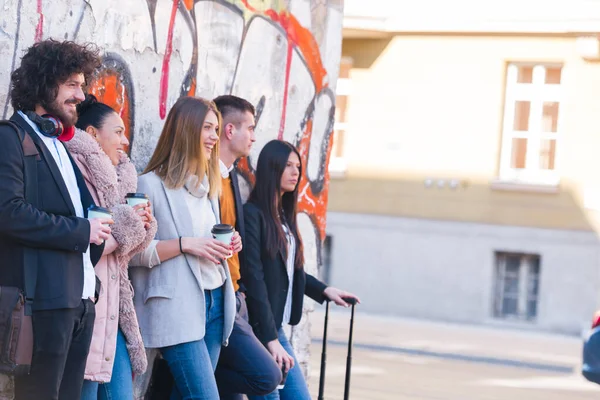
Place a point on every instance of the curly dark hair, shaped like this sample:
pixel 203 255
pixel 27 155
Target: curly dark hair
pixel 45 66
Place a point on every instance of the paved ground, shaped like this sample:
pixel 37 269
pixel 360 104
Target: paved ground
pixel 406 359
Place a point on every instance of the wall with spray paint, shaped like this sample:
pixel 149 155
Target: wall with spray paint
pixel 282 55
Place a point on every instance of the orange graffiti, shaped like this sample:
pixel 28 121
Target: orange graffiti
pixel 248 6
pixel 193 85
pixel 300 38
pixel 304 40
pixel 109 89
pixel 313 204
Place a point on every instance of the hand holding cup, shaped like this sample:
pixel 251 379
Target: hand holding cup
pixel 141 204
pixel 100 220
pixel 225 234
pixel 209 248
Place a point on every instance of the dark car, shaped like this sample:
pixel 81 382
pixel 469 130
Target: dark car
pixel 591 352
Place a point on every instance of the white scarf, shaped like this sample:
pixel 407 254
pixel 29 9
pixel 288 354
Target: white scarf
pixel 195 189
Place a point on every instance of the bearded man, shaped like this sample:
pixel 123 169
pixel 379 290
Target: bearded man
pixel 45 90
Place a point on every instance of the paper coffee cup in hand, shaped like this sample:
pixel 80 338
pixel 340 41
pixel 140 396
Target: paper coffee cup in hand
pixel 133 199
pixel 98 212
pixel 223 233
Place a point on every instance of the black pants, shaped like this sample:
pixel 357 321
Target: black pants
pixel 245 366
pixel 61 341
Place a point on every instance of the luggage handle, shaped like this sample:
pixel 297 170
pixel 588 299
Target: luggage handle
pixel 324 353
pixel 352 301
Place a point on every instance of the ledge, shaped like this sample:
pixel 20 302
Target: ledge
pixel 517 186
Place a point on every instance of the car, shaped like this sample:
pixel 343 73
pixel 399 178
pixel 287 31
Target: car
pixel 590 367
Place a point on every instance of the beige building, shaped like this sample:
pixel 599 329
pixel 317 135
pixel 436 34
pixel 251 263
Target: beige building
pixel 465 171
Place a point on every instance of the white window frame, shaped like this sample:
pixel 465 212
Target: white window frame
pixel 524 275
pixel 337 164
pixel 537 93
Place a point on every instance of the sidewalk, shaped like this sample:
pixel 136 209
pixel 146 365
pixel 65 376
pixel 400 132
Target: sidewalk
pixel 407 359
pixel 426 338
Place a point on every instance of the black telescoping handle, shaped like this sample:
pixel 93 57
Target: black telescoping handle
pixel 324 354
pixel 351 301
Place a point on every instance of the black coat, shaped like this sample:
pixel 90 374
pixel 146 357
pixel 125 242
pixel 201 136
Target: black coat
pixel 266 281
pixel 51 227
pixel 239 218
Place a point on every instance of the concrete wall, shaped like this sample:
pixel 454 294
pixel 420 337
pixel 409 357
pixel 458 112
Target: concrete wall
pixel 444 270
pixel 283 56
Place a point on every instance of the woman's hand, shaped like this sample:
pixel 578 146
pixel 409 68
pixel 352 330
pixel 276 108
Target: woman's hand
pixel 209 248
pixel 145 213
pixel 282 358
pixel 337 296
pixel 236 242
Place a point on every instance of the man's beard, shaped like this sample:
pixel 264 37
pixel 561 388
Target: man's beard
pixel 55 109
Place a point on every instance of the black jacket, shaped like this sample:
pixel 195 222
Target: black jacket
pixel 267 282
pixel 239 218
pixel 50 227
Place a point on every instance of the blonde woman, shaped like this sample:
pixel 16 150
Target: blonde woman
pixel 183 292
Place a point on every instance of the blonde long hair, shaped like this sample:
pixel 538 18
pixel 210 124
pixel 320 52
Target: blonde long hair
pixel 179 153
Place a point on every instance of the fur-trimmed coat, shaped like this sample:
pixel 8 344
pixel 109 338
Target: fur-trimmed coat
pixel 109 185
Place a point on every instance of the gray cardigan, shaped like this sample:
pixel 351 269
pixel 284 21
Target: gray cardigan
pixel 169 298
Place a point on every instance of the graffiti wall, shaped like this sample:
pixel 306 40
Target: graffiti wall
pixel 281 55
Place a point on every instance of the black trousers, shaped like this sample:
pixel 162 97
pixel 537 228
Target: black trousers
pixel 245 366
pixel 61 342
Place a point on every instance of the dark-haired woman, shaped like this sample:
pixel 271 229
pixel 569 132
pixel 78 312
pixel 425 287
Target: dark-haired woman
pixel 274 273
pixel 116 350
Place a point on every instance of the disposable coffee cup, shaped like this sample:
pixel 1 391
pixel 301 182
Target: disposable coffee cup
pixel 98 212
pixel 223 233
pixel 284 375
pixel 133 199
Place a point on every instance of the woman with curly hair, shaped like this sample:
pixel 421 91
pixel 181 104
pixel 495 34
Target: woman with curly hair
pixel 117 349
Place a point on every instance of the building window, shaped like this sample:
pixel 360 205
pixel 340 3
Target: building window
pixel 516 286
pixel 531 125
pixel 344 87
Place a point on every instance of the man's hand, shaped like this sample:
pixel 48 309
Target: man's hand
pixel 100 230
pixel 282 358
pixel 236 242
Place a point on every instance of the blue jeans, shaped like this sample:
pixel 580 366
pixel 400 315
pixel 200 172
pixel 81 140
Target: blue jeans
pixel 295 385
pixel 245 366
pixel 121 382
pixel 193 364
